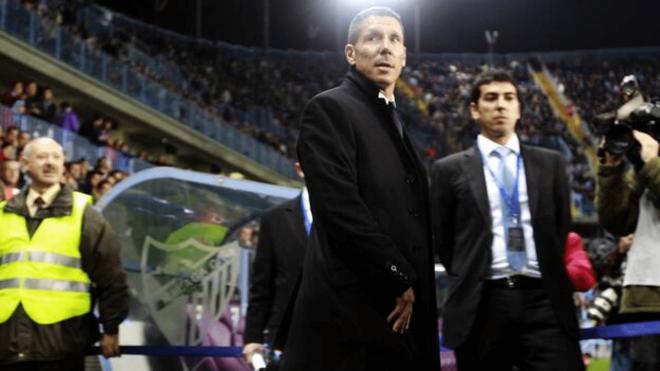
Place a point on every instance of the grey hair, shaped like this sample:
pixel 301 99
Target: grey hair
pixel 26 149
pixel 374 11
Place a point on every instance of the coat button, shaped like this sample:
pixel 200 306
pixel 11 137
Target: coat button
pixel 410 179
pixel 413 213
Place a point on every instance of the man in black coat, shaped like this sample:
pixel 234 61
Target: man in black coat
pixel 367 297
pixel 502 310
pixel 275 269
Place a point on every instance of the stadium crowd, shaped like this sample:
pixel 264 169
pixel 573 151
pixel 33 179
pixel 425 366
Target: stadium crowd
pixel 228 82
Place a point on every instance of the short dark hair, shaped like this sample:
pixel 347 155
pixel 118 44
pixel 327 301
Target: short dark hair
pixel 489 76
pixel 374 11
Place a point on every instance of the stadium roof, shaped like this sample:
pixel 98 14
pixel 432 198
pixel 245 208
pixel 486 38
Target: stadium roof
pixel 444 25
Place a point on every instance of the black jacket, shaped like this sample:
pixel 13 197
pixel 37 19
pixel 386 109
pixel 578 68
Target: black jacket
pixel 21 339
pixel 371 239
pixel 276 267
pixel 463 234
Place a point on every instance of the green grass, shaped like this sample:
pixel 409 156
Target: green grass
pixel 599 364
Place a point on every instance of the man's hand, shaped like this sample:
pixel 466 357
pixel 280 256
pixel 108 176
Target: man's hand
pixel 402 311
pixel 249 349
pixel 649 145
pixel 110 345
pixel 625 243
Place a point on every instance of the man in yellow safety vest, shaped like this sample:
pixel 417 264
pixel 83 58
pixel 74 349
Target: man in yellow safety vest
pixel 58 256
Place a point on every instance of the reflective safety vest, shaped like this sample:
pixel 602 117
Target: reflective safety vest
pixel 44 273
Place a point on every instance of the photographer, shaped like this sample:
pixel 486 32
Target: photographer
pixel 626 202
pixel 609 261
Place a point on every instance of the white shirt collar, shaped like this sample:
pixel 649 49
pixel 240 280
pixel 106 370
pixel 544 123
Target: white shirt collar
pixel 307 209
pixel 487 146
pixel 381 95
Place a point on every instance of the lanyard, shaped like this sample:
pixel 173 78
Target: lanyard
pixel 511 200
pixel 308 223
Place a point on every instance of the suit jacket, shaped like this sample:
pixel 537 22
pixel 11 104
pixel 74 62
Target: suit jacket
pixel 276 266
pixel 464 235
pixel 371 239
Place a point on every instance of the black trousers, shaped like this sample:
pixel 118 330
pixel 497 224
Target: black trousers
pixel 516 329
pixel 69 364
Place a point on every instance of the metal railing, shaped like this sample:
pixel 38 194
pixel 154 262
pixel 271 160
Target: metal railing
pixel 45 35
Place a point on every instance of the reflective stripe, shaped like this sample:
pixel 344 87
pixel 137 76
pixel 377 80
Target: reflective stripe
pixel 11 283
pixel 53 258
pixel 12 257
pixel 56 285
pixel 42 257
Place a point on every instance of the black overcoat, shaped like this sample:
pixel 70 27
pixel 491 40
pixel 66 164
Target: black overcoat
pixel 370 242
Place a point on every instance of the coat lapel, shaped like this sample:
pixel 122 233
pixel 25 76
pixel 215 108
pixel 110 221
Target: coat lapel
pixel 532 175
pixel 473 170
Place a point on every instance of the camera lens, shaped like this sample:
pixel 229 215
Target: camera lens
pixel 618 139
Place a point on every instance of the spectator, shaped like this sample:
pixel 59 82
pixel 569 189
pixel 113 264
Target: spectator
pixel 31 97
pixel 72 174
pixel 92 180
pixel 10 172
pixel 11 135
pixel 9 97
pixel 104 138
pixel 23 139
pixel 67 120
pixel 9 144
pixel 116 175
pixel 45 108
pixel 92 129
pixel 103 165
pixel 102 188
pixel 84 168
pixel 7 151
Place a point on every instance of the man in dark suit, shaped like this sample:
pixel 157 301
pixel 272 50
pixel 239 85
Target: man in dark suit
pixel 510 298
pixel 276 267
pixel 369 260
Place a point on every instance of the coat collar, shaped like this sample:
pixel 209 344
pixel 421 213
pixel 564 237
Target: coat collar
pixel 62 205
pixel 366 86
pixel 371 93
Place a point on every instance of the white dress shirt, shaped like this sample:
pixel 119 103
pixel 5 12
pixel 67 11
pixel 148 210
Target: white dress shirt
pixel 499 266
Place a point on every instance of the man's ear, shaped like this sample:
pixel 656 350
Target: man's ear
pixel 349 50
pixel 474 112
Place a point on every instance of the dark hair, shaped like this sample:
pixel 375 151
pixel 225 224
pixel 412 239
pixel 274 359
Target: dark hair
pixel 90 174
pixel 64 105
pixel 489 76
pixel 374 11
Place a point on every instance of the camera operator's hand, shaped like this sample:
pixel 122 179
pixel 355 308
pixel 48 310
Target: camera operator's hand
pixel 649 146
pixel 625 243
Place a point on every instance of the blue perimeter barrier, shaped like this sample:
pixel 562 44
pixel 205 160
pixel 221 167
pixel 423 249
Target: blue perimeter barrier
pixel 600 332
